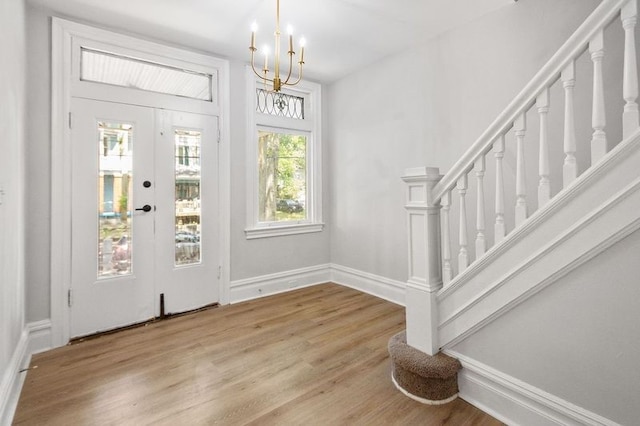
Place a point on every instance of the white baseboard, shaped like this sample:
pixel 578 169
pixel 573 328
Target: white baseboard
pixel 267 285
pixel 517 403
pixel 384 288
pixel 12 380
pixel 35 338
pixel 39 336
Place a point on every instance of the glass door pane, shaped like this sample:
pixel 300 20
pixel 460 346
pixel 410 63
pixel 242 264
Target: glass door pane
pixel 115 156
pixel 187 196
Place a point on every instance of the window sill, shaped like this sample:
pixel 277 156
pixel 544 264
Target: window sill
pixel 281 230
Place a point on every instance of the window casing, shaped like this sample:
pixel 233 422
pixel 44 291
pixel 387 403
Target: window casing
pixel 284 180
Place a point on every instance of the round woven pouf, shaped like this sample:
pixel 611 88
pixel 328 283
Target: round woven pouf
pixel 425 378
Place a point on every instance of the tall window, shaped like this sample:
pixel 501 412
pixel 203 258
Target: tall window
pixel 284 177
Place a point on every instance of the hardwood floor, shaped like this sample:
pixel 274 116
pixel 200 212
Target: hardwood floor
pixel 314 356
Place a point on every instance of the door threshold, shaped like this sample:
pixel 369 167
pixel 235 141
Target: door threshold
pixel 81 339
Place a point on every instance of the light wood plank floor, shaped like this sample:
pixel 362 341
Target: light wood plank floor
pixel 314 356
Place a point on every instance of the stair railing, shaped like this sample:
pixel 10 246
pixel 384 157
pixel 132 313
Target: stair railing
pixel 430 195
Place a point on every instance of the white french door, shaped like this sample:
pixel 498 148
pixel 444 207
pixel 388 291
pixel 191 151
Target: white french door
pixel 144 209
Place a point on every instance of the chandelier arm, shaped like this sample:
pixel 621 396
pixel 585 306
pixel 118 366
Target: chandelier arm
pixel 291 53
pixel 299 76
pixel 261 77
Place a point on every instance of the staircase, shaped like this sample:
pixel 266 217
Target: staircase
pixel 484 238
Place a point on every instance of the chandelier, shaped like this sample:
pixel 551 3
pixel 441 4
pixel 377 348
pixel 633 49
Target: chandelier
pixel 265 75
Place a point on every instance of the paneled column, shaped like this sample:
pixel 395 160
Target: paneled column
pixel 425 267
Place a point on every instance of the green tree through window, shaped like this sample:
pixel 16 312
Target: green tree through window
pixel 281 176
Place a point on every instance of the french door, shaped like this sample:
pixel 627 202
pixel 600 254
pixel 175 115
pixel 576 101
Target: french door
pixel 144 209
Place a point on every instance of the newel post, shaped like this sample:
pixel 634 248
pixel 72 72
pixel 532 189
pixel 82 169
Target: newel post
pixel 425 266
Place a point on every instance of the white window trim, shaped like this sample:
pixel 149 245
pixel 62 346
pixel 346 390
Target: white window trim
pixel 312 124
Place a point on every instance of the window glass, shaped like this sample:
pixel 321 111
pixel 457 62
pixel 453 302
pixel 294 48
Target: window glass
pixel 279 104
pixel 282 180
pixel 109 68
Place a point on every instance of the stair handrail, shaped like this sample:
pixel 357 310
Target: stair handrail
pixel 577 43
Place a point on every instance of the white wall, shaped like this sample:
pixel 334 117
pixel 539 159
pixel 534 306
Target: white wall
pixel 248 258
pixel 578 339
pixel 12 222
pixel 426 107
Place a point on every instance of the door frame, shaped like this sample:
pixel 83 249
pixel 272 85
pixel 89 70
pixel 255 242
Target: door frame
pixel 65 36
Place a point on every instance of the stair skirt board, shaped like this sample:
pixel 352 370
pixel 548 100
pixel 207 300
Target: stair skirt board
pixel 490 304
pixel 515 402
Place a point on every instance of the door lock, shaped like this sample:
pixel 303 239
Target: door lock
pixel 145 208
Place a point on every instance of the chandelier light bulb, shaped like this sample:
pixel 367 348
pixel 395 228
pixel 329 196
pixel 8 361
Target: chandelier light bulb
pixel 254 28
pixel 289 29
pixel 265 52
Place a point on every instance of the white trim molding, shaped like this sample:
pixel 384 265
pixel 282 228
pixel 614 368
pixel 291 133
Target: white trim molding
pixel 280 230
pixel 39 336
pixel 35 338
pixel 281 282
pixel 11 381
pixel 515 402
pixel 267 285
pixel 384 288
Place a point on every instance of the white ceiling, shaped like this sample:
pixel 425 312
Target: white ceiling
pixel 342 35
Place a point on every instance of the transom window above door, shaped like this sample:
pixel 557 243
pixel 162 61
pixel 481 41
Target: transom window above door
pixel 133 73
pixel 116 68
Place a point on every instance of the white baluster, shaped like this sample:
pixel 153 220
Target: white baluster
pixel 481 243
pixel 598 118
pixel 570 166
pixel 544 188
pixel 447 272
pixel 630 122
pixel 520 126
pixel 499 229
pixel 463 256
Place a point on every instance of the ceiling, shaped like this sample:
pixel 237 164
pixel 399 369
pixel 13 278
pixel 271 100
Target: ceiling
pixel 342 35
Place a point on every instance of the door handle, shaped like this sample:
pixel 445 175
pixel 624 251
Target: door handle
pixel 145 208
